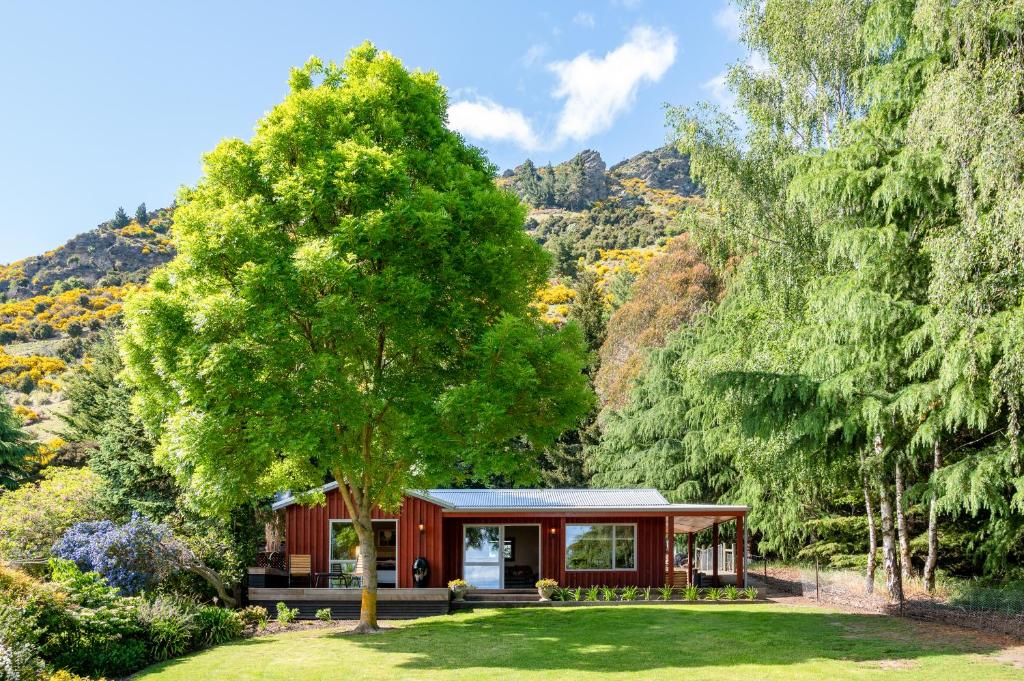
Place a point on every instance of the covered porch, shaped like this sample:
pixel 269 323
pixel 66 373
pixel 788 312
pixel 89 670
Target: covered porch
pixel 718 560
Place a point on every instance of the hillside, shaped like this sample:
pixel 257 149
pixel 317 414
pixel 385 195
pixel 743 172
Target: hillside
pixel 612 219
pixel 52 304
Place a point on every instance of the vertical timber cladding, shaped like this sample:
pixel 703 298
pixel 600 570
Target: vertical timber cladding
pixel 650 555
pixel 308 532
pixel 650 549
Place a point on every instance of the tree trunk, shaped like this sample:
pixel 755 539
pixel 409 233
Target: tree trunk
pixel 933 531
pixel 906 569
pixel 893 582
pixel 359 508
pixel 368 553
pixel 869 577
pixel 214 580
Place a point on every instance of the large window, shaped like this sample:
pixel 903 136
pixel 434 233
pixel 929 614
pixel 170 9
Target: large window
pixel 344 544
pixel 600 547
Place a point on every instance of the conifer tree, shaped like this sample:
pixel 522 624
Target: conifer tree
pixel 120 218
pixel 15 447
pixel 141 216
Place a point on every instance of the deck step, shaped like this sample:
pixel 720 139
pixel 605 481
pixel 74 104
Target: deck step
pixel 507 598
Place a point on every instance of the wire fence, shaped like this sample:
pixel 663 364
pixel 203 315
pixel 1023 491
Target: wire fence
pixel 998 609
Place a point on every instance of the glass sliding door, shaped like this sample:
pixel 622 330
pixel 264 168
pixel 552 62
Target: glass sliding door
pixel 482 556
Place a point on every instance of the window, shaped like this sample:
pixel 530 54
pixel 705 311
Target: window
pixel 344 545
pixel 600 547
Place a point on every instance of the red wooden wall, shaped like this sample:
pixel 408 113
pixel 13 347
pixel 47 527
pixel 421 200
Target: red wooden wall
pixel 307 531
pixel 650 549
pixel 440 542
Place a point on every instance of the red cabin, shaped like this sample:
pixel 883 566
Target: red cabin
pixel 502 539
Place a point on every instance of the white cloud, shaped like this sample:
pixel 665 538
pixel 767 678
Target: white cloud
pixel 585 19
pixel 758 63
pixel 719 92
pixel 597 90
pixel 488 120
pixel 728 19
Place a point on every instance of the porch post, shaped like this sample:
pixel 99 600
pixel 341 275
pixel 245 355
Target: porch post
pixel 670 525
pixel 714 554
pixel 741 551
pixel 689 558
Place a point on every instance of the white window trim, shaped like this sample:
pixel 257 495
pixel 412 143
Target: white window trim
pixel 348 521
pixel 565 543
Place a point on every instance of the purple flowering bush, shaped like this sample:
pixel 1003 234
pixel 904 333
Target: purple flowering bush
pixel 132 557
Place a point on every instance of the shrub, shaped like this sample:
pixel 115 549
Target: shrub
pixel 691 593
pixel 731 593
pixel 35 515
pixel 324 614
pixel 608 593
pixel 629 593
pixel 42 331
pixel 592 593
pixel 213 625
pixel 750 593
pixel 130 556
pixel 577 594
pixel 255 616
pixel 105 635
pixel 286 615
pixel 665 592
pixel 713 594
pixel 65 675
pixel 19 653
pixel 169 636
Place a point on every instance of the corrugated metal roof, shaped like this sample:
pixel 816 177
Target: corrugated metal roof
pixel 544 498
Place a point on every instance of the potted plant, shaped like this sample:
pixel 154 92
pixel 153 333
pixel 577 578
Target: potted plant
pixel 459 588
pixel 545 588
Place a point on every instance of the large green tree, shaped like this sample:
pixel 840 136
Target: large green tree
pixel 15 447
pixel 350 299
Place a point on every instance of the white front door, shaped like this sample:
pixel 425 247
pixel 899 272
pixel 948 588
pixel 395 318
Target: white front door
pixel 481 555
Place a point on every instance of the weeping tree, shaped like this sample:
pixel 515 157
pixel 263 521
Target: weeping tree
pixel 350 300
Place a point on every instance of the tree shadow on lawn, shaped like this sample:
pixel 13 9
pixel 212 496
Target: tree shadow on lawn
pixel 624 639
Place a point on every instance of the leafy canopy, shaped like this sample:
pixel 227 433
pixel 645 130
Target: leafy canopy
pixel 350 298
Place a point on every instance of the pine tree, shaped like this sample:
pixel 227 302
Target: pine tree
pixel 120 219
pixel 15 448
pixel 141 216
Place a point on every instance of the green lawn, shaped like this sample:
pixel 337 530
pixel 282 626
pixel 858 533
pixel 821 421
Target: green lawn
pixel 752 641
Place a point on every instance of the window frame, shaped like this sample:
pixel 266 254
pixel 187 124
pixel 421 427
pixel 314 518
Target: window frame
pixel 565 547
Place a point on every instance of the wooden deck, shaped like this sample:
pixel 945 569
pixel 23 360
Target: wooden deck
pixel 344 603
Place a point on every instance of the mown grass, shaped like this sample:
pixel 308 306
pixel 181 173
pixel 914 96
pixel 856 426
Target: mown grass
pixel 749 641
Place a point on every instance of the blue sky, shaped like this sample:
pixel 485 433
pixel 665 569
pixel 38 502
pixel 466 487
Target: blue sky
pixel 113 103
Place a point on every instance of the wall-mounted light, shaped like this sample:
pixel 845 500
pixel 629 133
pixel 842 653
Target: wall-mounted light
pixel 554 530
pixel 423 528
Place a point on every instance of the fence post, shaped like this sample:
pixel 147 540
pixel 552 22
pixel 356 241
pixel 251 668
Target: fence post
pixel 766 576
pixel 817 592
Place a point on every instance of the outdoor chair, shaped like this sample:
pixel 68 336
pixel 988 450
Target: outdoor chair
pixel 300 564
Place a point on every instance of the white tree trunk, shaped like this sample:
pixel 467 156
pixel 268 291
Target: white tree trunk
pixel 893 580
pixel 906 569
pixel 933 530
